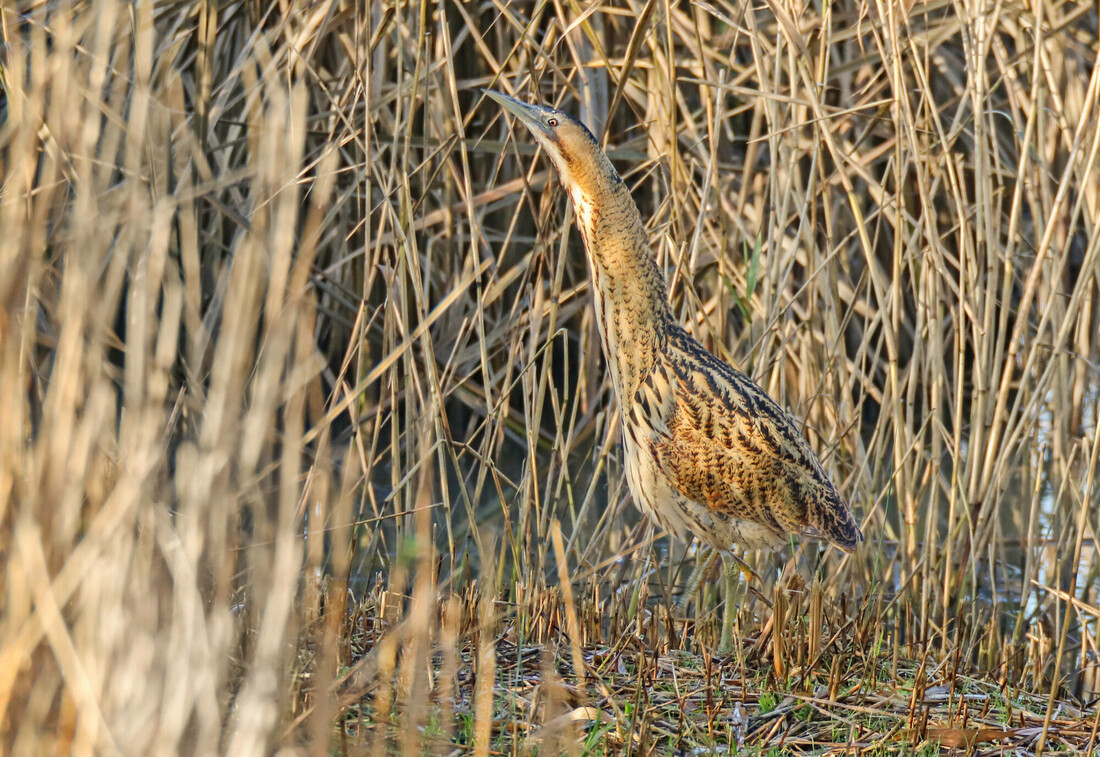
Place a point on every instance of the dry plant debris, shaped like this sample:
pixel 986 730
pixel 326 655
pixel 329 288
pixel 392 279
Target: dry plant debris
pixel 674 697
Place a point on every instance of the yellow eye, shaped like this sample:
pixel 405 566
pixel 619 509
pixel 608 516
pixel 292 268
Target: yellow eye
pixel 551 122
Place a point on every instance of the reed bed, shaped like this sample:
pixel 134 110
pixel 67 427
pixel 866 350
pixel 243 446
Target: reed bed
pixel 307 444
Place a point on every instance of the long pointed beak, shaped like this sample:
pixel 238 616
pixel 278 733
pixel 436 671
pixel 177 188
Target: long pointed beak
pixel 526 114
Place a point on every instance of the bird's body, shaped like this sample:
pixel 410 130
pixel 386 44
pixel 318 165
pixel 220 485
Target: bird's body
pixel 707 451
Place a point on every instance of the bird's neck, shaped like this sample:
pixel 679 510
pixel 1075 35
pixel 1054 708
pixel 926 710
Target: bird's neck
pixel 631 300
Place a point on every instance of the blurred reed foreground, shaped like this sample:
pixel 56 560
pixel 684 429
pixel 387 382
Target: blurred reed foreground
pixel 306 441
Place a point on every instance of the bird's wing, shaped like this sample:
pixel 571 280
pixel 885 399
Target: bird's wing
pixel 730 446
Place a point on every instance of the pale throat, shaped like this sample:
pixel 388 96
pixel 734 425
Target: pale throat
pixel 628 289
pixel 582 207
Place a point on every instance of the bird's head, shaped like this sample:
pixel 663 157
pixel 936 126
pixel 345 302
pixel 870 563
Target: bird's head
pixel 575 152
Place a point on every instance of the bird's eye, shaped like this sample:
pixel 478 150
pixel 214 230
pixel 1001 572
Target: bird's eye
pixel 551 122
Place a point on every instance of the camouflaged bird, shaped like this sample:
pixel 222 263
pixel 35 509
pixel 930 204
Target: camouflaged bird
pixel 707 451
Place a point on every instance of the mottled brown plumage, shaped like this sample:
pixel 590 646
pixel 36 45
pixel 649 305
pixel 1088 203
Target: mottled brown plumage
pixel 708 452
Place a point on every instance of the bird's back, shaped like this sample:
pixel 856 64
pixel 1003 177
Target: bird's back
pixel 737 468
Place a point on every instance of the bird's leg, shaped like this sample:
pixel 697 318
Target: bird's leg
pixel 731 566
pixel 702 565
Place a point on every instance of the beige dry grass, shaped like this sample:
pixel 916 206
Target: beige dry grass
pixel 299 385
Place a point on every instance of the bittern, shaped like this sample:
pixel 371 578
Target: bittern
pixel 707 451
